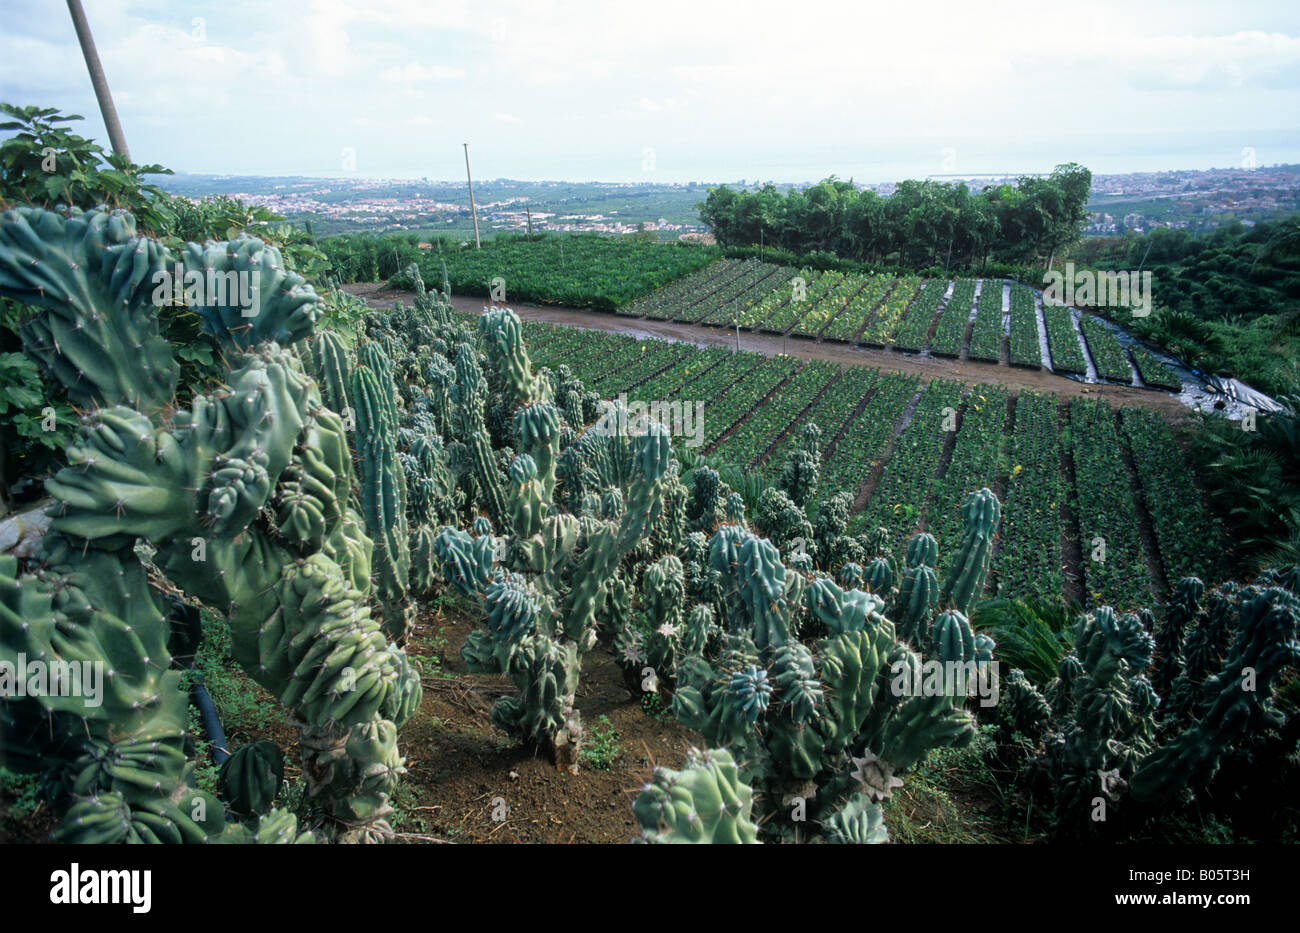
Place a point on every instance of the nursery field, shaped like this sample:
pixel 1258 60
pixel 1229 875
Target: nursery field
pixel 906 454
pixel 579 270
pixel 983 320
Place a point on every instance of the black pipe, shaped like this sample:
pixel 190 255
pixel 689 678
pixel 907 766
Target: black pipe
pixel 211 723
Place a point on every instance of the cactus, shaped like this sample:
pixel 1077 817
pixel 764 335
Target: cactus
pixel 244 497
pixel 251 777
pixel 704 510
pixel 802 467
pixel 918 594
pixel 1264 647
pixel 824 722
pixel 383 486
pixel 965 581
pixel 557 572
pixel 705 802
pixel 1097 739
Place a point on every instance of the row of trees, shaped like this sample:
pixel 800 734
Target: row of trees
pixel 923 224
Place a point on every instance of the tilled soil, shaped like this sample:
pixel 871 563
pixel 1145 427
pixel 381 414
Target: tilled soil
pixel 924 367
pixel 461 768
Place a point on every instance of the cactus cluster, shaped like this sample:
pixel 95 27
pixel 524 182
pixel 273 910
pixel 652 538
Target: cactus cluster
pixel 547 573
pixel 245 497
pixel 1101 741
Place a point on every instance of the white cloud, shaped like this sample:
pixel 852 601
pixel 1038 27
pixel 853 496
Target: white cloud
pixel 415 73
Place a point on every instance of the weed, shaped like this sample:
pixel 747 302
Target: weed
pixel 600 746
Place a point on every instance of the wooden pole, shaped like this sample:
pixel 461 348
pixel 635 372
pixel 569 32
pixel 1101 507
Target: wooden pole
pixel 472 209
pixel 97 79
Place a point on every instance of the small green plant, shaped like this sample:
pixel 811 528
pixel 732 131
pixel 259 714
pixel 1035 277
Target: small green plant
pixel 654 707
pixel 243 706
pixel 26 791
pixel 601 748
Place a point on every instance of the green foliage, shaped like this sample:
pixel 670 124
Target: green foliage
pixel 44 164
pixel 601 749
pixel 924 223
pixel 579 270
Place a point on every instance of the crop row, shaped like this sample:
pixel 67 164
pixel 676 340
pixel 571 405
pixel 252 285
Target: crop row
pixel 723 408
pixel 570 343
pixel 884 323
pixel 731 302
pixel 700 362
pixel 829 413
pixel 846 324
pixel 778 311
pixel 861 447
pixel 1025 349
pixel 915 329
pixel 809 317
pixel 1114 569
pixel 1106 351
pixel 1029 556
pixel 781 411
pixel 770 400
pixel 685 292
pixel 951 332
pixel 1062 340
pixel 973 465
pixel 986 337
pixel 1184 530
pixel 638 364
pixel 910 473
pixel 1154 373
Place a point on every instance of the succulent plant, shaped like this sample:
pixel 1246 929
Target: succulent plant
pixel 244 496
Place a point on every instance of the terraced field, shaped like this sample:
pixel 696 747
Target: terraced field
pixel 905 314
pixel 906 454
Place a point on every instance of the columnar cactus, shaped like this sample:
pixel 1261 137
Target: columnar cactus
pixel 244 495
pixel 1098 740
pixel 918 594
pixel 802 467
pixel 980 514
pixel 829 724
pixel 383 485
pixel 556 571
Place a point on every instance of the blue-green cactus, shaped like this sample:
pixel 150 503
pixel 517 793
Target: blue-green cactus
pixel 244 497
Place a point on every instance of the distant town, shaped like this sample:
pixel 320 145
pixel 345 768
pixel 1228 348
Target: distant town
pixel 1198 201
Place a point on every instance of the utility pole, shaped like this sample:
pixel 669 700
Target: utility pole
pixel 97 79
pixel 472 209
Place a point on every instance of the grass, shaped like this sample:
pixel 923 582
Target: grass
pixel 244 706
pixel 954 797
pixel 654 707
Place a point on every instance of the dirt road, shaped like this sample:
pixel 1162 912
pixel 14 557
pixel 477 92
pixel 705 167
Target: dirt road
pixel 925 368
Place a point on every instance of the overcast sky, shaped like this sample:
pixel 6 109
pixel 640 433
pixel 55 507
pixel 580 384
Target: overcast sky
pixel 672 91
